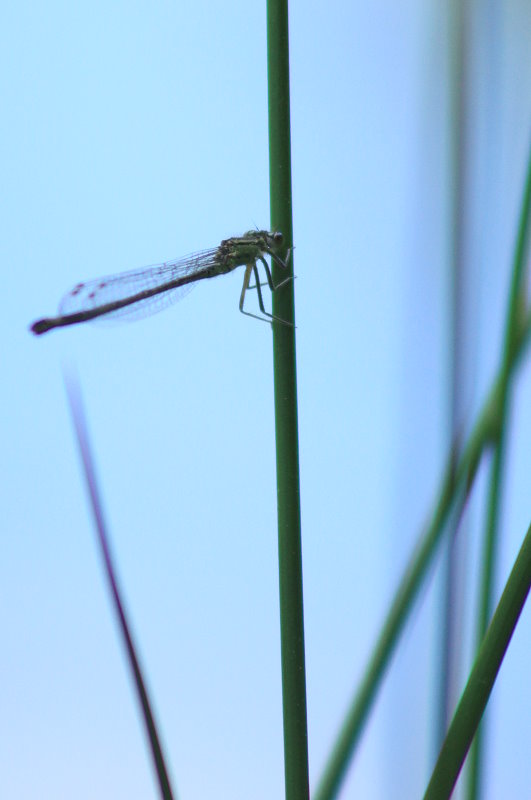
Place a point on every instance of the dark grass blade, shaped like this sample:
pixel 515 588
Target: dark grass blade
pixel 78 418
pixel 453 495
pixel 461 471
pixel 517 302
pixel 449 625
pixel 481 680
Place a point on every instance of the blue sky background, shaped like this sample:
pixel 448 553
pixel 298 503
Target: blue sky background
pixel 134 133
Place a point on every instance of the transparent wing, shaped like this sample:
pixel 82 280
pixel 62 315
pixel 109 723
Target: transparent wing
pixel 93 294
pixel 144 308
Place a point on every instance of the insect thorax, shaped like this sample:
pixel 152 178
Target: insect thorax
pixel 243 250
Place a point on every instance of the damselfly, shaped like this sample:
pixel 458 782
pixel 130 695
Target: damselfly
pixel 141 291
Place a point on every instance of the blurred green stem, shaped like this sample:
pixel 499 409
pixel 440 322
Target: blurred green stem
pixel 461 476
pixel 449 625
pixel 513 332
pixel 482 677
pixel 455 484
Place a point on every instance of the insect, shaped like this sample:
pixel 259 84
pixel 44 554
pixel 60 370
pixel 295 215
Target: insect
pixel 147 290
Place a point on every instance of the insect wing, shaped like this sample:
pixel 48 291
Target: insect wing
pixel 93 294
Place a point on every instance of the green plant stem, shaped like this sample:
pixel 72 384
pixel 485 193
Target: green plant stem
pixel 486 594
pixel 410 584
pixel 287 450
pixel 454 488
pixel 456 484
pixel 482 677
pixel 450 641
pixel 510 345
pixel 485 432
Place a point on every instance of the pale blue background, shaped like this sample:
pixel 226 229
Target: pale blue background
pixel 137 132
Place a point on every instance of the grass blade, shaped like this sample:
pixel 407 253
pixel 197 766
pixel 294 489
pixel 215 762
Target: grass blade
pixel 460 474
pixel 78 418
pixel 517 302
pixel 287 449
pixel 482 677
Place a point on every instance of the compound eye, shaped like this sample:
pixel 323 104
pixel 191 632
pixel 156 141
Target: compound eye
pixel 277 237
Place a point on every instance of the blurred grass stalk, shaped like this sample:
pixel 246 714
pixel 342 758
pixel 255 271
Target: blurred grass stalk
pixel 461 470
pixel 77 412
pixel 476 694
pixel 515 329
pixel 450 632
pixel 286 426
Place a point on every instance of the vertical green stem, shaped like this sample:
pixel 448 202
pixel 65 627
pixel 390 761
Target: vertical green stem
pixel 450 639
pixel 475 773
pixel 285 377
pixel 517 303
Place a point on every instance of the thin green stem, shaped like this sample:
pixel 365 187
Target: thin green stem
pixel 450 642
pixel 287 450
pixel 485 432
pixel 460 478
pixel 482 677
pixel 486 594
pixel 510 347
pixel 456 483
